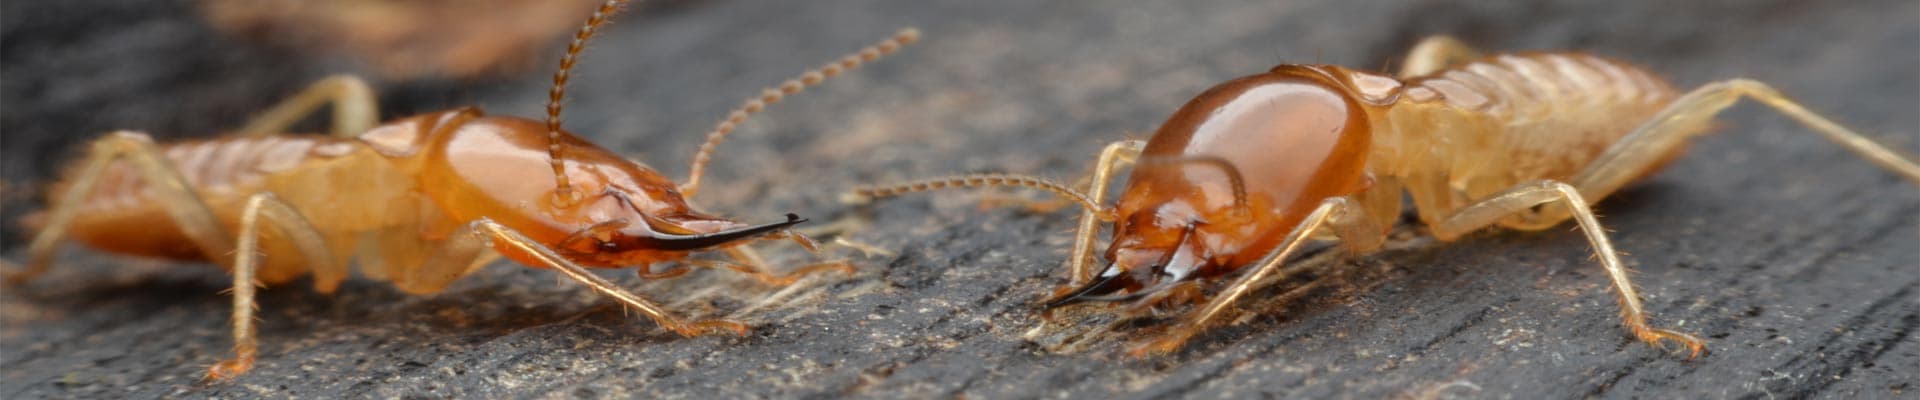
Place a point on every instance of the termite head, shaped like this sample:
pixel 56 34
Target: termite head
pixel 1228 176
pixel 604 210
pixel 620 213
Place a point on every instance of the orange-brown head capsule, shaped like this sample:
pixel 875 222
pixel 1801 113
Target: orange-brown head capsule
pixel 496 167
pixel 1290 138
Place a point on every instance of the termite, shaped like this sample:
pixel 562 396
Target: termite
pixel 419 199
pixel 1249 170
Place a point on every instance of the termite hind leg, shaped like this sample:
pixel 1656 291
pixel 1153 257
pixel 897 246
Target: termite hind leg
pixel 171 191
pixel 487 229
pixel 1436 53
pixel 747 261
pixel 246 263
pixel 355 109
pixel 1081 264
pixel 1660 137
pixel 1524 197
pixel 1349 221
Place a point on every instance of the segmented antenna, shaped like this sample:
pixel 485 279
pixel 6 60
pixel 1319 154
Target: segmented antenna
pixel 563 190
pixel 774 94
pixel 868 193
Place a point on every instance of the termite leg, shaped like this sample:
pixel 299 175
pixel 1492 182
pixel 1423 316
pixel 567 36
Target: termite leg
pixel 246 262
pixel 355 109
pixel 1658 137
pixel 486 229
pixel 1081 266
pixel 750 263
pixel 171 190
pixel 1524 197
pixel 1436 53
pixel 1349 221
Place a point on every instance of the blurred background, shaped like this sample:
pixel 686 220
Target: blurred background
pixel 1793 257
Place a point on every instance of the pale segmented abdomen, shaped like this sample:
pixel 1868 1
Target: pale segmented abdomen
pixel 339 184
pixel 218 169
pixel 1513 118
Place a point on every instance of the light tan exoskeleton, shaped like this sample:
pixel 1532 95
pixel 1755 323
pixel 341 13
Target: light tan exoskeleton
pixel 1251 169
pixel 419 200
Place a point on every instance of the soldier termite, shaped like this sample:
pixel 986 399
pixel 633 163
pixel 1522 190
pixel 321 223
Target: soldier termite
pixel 419 200
pixel 1246 172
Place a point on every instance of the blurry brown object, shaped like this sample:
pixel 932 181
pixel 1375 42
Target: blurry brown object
pixel 405 39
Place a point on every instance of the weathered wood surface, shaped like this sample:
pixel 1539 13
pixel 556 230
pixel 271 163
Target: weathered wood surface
pixel 1798 262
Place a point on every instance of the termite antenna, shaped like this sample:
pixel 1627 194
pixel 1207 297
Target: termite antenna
pixel 564 194
pixel 774 94
pixel 866 194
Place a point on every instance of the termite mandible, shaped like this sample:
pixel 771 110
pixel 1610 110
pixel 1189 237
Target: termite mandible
pixel 419 199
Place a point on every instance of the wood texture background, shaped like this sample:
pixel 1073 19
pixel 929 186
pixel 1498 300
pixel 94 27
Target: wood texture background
pixel 1798 262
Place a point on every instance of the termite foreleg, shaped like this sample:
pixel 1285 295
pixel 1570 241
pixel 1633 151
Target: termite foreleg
pixel 170 188
pixel 354 108
pixel 296 229
pixel 1094 211
pixel 1081 266
pixel 1524 197
pixel 1654 140
pixel 1436 53
pixel 1347 218
pixel 486 229
pixel 466 250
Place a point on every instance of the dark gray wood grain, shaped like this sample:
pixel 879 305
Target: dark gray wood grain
pixel 1798 262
